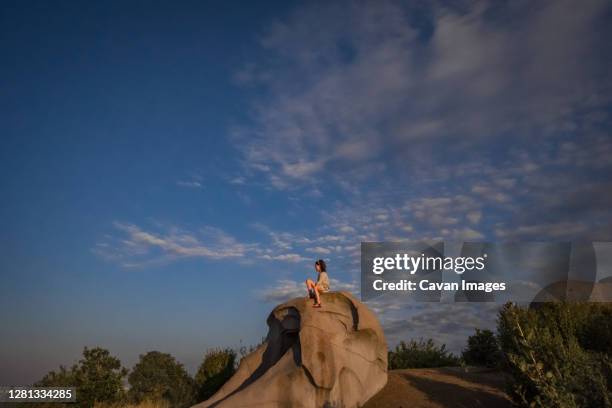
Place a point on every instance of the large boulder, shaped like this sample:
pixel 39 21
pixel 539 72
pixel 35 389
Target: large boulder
pixel 335 356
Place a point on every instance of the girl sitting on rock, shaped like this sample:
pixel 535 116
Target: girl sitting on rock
pixel 321 285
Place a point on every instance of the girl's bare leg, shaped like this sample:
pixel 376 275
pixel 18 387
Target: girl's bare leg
pixel 318 298
pixel 309 285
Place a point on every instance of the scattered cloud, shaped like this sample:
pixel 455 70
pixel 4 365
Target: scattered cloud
pixel 551 230
pixel 319 250
pixel 474 216
pixel 135 246
pixel 461 124
pixel 284 290
pixel 373 91
pixel 294 258
pixel 445 323
pixel 131 245
pixel 194 181
pixel 189 184
pixel 238 180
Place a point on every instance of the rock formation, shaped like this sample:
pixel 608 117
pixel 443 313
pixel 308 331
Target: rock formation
pixel 335 356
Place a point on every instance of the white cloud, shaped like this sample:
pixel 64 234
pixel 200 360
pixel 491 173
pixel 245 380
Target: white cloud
pixel 135 246
pixel 319 250
pixel 238 180
pixel 474 216
pixel 282 291
pixel 347 229
pixel 189 184
pixel 294 258
pixel 443 212
pixel 286 289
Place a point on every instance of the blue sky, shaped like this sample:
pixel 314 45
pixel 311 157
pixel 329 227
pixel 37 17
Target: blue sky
pixel 170 171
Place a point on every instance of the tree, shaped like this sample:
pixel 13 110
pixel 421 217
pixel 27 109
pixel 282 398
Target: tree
pixel 159 376
pixel 64 377
pixel 98 377
pixel 482 349
pixel 216 368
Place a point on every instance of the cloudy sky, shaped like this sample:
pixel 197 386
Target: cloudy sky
pixel 169 172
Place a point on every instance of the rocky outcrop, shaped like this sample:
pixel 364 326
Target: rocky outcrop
pixel 335 356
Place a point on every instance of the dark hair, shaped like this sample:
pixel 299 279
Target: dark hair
pixel 321 263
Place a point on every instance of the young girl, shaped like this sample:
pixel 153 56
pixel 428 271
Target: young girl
pixel 322 284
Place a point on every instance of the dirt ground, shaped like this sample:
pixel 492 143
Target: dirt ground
pixel 442 388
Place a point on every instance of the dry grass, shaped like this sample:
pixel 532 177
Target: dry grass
pixel 144 404
pixel 442 388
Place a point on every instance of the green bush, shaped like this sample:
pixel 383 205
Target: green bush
pixel 158 376
pixel 216 368
pixel 420 354
pixel 98 377
pixel 596 332
pixel 551 357
pixel 482 349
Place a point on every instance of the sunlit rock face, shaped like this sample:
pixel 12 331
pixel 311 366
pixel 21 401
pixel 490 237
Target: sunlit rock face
pixel 334 356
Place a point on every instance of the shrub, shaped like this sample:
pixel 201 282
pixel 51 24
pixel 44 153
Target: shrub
pixel 216 368
pixel 158 376
pixel 98 377
pixel 482 349
pixel 596 332
pixel 420 354
pixel 546 351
